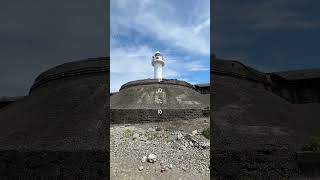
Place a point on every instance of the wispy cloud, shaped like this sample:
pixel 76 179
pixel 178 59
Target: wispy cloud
pixel 141 27
pixel 163 21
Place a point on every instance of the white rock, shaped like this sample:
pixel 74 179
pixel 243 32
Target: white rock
pixel 140 168
pixel 144 159
pixel 152 158
pixel 151 130
pixel 170 166
pixel 194 132
pixel 135 136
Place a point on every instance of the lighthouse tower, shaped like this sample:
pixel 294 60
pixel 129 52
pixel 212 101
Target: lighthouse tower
pixel 157 63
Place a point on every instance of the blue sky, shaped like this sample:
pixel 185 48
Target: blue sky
pixel 178 29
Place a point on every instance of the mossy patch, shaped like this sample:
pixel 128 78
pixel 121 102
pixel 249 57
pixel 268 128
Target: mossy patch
pixel 128 133
pixel 206 133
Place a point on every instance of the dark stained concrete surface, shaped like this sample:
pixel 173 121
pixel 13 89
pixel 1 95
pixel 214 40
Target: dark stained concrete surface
pixel 61 125
pixel 255 132
pixel 140 101
pixel 174 94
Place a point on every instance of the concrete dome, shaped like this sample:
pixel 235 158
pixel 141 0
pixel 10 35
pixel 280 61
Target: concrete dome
pixel 66 109
pixel 60 128
pixel 139 101
pixel 141 94
pixel 256 132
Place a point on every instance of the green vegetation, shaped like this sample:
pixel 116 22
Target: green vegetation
pixel 313 144
pixel 128 133
pixel 206 133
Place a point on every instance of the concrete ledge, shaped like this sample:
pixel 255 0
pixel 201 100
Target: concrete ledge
pixel 83 67
pixel 309 163
pixel 155 81
pixel 119 116
pixel 236 69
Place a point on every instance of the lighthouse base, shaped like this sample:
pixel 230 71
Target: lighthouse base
pixel 149 100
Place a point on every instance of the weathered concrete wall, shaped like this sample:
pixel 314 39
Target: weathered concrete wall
pixel 147 94
pixel 61 128
pixel 151 115
pixel 174 82
pixel 139 101
pixel 299 87
pixel 255 132
pixel 237 70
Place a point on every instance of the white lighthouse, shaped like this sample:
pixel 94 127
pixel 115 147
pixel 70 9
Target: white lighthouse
pixel 157 63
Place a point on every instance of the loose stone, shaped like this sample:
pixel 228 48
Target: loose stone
pixel 144 159
pixel 135 136
pixel 194 132
pixel 140 168
pixel 152 158
pixel 151 130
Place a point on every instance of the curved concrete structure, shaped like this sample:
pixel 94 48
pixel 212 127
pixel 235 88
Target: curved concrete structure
pixel 62 121
pixel 72 69
pixel 143 94
pixel 66 107
pixel 256 133
pixel 238 70
pixel 139 101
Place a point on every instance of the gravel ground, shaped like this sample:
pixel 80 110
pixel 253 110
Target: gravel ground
pixel 162 150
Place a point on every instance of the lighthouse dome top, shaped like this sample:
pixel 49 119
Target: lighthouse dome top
pixel 158 53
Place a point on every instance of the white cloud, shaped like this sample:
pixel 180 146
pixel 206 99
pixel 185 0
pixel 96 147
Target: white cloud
pixel 165 24
pixel 196 66
pixel 133 63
